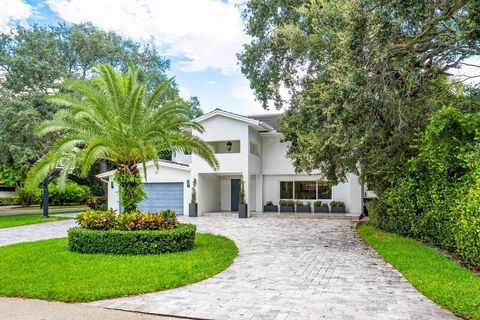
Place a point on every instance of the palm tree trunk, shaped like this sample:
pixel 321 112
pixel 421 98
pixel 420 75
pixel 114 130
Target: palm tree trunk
pixel 131 187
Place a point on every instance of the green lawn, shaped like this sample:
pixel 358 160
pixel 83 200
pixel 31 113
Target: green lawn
pixel 47 270
pixel 436 276
pixel 24 219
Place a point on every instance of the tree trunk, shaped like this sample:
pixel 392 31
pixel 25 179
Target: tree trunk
pixel 131 187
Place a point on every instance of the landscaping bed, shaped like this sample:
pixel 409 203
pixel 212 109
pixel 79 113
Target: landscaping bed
pixel 438 277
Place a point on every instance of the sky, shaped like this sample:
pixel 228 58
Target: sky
pixel 200 37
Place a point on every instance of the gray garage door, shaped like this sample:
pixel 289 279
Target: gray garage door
pixel 161 196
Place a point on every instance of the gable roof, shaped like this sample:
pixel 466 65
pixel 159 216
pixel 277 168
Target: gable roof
pixel 271 119
pixel 161 163
pixel 259 124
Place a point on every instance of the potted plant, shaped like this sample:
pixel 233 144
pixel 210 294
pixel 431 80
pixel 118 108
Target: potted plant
pixel 270 207
pixel 337 207
pixel 319 206
pixel 242 206
pixel 303 207
pixel 287 205
pixel 193 205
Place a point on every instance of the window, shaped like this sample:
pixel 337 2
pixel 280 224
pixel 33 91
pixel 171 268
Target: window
pixel 305 190
pixel 324 190
pixel 286 189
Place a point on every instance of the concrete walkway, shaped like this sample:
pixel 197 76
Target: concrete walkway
pixel 33 232
pixel 29 309
pixel 292 269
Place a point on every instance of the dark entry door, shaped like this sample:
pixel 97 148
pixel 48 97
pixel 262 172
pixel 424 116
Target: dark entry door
pixel 235 197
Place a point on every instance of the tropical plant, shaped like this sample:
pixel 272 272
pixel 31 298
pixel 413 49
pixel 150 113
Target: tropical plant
pixel 111 117
pixel 337 204
pixel 241 197
pixel 194 191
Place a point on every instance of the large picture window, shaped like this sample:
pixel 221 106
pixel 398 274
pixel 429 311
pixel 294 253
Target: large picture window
pixel 286 189
pixel 306 190
pixel 324 190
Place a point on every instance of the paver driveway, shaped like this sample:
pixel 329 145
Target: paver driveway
pixel 292 269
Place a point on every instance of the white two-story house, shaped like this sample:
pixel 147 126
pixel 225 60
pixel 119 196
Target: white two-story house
pixel 248 146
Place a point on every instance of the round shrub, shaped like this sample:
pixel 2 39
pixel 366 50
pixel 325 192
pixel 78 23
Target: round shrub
pixel 137 242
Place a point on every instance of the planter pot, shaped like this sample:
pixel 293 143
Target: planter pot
pixel 270 208
pixel 193 209
pixel 322 209
pixel 304 209
pixel 243 210
pixel 338 209
pixel 287 208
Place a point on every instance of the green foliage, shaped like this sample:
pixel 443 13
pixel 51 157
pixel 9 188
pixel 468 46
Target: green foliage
pixel 95 202
pixel 28 195
pixel 241 197
pixel 299 203
pixel 319 203
pixel 35 60
pixel 435 275
pixel 70 193
pixel 113 117
pixel 136 242
pixel 194 191
pixel 337 204
pixel 131 190
pixel 8 201
pixel 109 220
pixel 363 76
pixel 8 176
pixel 435 199
pixel 290 203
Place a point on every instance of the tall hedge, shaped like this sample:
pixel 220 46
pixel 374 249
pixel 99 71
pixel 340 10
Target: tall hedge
pixel 436 198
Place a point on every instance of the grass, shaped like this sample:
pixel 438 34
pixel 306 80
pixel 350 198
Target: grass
pixel 47 270
pixel 441 279
pixel 24 219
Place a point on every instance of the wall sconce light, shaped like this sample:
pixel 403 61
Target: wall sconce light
pixel 111 184
pixel 229 146
pixel 188 183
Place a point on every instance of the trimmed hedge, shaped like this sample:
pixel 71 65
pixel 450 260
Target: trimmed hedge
pixel 132 242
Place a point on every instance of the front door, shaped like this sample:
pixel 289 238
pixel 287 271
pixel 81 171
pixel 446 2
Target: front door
pixel 235 196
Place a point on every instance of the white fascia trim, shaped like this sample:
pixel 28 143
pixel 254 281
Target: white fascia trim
pixel 149 163
pixel 235 117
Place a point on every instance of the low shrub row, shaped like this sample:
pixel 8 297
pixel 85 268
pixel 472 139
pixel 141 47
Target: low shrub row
pixel 110 220
pixel 139 242
pixel 9 201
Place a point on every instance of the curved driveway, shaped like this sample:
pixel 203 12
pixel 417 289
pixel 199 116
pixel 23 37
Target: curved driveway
pixel 291 268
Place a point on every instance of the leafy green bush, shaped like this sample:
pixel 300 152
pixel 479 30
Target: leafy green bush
pixel 436 197
pixel 8 201
pixel 337 204
pixel 137 242
pixel 319 203
pixel 71 193
pixel 109 220
pixel 299 203
pixel 28 196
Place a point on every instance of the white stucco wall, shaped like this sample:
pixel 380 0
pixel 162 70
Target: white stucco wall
pixel 208 193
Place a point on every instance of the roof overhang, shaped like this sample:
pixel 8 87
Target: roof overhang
pixel 161 163
pixel 257 124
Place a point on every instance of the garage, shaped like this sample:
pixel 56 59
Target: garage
pixel 162 196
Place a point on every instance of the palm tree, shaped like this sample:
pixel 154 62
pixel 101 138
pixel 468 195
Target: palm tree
pixel 111 117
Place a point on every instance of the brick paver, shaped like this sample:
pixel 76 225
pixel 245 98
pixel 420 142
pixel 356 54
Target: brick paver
pixel 291 269
pixel 33 232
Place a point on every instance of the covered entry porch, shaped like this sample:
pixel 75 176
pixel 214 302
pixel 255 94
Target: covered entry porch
pixel 219 192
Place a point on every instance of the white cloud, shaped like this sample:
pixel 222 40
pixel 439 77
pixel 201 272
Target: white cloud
pixel 14 12
pixel 469 72
pixel 206 33
pixel 211 82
